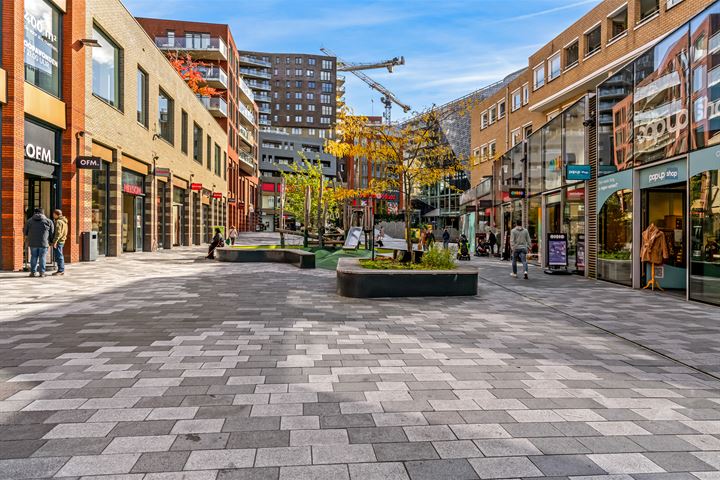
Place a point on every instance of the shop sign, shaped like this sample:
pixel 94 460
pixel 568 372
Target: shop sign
pixel 576 194
pixel 663 174
pixel 516 193
pixel 610 184
pixel 40 143
pixel 89 163
pixel 578 172
pixel 557 250
pixel 196 187
pixel 230 200
pixel 217 195
pixel 704 160
pixel 268 187
pixel 132 189
pixel 162 172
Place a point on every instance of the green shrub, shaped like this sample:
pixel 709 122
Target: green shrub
pixel 438 258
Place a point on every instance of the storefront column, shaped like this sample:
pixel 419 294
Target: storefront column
pixel 637 231
pixel 167 217
pixel 12 166
pixel 187 220
pixel 114 216
pixel 150 217
pixel 197 219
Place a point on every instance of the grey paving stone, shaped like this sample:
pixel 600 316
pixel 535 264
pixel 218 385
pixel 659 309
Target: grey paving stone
pixel 390 452
pixel 377 435
pixel 322 454
pixel 19 448
pixel 315 472
pixel 566 465
pixel 346 421
pixel 510 467
pixel 607 445
pixel 378 471
pixel 147 443
pixel 507 447
pixel 455 469
pixel 457 449
pixel 22 468
pixel 160 462
pixel 200 441
pixel 98 465
pixel 219 459
pixel 679 462
pixel 625 463
pixel 318 437
pixel 283 456
pixel 259 439
pixel 264 473
pixel 80 430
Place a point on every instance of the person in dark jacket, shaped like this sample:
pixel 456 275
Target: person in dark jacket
pixel 446 238
pixel 493 242
pixel 217 241
pixel 38 230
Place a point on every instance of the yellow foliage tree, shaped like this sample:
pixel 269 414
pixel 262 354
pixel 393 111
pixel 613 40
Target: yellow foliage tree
pixel 413 154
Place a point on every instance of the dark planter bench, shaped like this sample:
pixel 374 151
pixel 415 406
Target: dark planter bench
pixel 299 258
pixel 355 281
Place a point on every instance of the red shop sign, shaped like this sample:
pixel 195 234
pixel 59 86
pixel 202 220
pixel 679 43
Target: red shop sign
pixel 132 189
pixel 196 186
pixel 217 195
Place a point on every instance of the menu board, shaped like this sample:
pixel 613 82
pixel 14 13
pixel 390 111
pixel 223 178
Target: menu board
pixel 557 250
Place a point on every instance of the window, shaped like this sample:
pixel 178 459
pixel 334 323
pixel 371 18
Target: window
pixel 311 85
pixel 298 95
pixel 592 41
pixel 310 73
pixel 476 156
pixel 288 72
pixel 197 143
pixel 311 61
pixel 297 131
pixel 310 119
pixel 325 76
pixel 648 8
pixel 324 98
pixel 298 61
pixel 501 109
pixel 311 108
pixel 287 60
pixel 298 118
pixel 491 150
pixel 526 94
pixel 326 110
pixel 298 72
pixel 325 120
pixel 287 83
pixel 527 131
pixel 539 76
pixel 287 106
pixel 492 115
pixel 516 136
pixel 310 96
pixel 572 54
pixel 516 100
pixel 311 132
pixel 225 165
pixel 183 131
pixel 327 64
pixel 142 97
pixel 554 67
pixel 484 119
pixel 275 95
pixel 106 75
pixel 276 72
pixel 298 106
pixel 165 116
pixel 298 83
pixel 672 3
pixel 42 45
pixel 208 152
pixel 618 22
pixel 483 153
pixel 218 167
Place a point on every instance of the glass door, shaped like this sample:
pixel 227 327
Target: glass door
pixel 39 193
pixel 139 221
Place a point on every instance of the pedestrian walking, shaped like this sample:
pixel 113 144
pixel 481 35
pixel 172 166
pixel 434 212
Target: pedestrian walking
pixel 61 231
pixel 429 239
pixel 38 230
pixel 446 238
pixel 217 241
pixel 520 245
pixel 492 239
pixel 232 235
pixel 380 237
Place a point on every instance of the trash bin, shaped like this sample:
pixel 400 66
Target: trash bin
pixel 89 242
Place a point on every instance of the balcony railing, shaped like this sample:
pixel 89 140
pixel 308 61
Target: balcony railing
pixel 264 121
pixel 214 76
pixel 217 106
pixel 258 85
pixel 247 158
pixel 265 110
pixel 263 98
pixel 254 61
pixel 245 89
pixel 246 113
pixel 204 47
pixel 253 72
pixel 245 133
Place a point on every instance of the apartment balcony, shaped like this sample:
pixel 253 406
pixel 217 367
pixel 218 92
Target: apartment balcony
pixel 246 113
pixel 245 89
pixel 250 60
pixel 214 76
pixel 208 48
pixel 217 106
pixel 255 73
pixel 258 85
pixel 265 109
pixel 264 121
pixel 263 98
pixel 246 135
pixel 340 80
pixel 247 163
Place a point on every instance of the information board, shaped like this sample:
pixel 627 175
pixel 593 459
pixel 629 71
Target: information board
pixel 557 250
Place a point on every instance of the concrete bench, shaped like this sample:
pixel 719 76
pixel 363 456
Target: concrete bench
pixel 299 258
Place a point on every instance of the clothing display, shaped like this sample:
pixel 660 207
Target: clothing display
pixel 654 246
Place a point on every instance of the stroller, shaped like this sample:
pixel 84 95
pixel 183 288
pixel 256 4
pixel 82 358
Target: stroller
pixel 464 251
pixel 482 247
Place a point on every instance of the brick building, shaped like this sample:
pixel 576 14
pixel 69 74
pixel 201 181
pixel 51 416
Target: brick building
pixel 84 81
pixel 607 132
pixel 234 107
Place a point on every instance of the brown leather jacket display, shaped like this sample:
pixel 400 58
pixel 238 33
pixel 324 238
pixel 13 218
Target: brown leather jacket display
pixel 654 246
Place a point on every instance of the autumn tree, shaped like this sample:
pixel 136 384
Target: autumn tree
pixel 413 154
pixel 192 72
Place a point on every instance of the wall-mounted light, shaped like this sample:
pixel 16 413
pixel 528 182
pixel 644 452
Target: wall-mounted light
pixel 89 42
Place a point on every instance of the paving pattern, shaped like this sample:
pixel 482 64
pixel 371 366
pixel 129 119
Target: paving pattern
pixel 165 366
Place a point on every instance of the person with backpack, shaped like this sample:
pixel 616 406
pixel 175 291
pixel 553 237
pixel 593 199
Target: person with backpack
pixel 217 241
pixel 232 235
pixel 520 246
pixel 446 238
pixel 38 230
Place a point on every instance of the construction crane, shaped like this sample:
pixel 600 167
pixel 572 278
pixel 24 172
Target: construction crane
pixel 388 98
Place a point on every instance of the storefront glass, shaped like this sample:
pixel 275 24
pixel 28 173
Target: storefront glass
pixel 615 238
pixel 661 116
pixel 574 222
pixel 42 45
pixel 615 122
pixel 535 169
pixel 705 248
pixel 535 225
pixel 574 134
pixel 178 216
pixel 100 206
pixel 133 211
pixel 705 68
pixel 552 153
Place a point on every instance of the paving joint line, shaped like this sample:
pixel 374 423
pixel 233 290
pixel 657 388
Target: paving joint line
pixel 586 322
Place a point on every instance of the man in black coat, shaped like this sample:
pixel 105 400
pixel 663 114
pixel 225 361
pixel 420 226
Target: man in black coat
pixel 38 230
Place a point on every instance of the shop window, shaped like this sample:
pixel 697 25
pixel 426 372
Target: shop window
pixel 660 114
pixel 142 97
pixel 615 238
pixel 574 133
pixel 42 47
pixel 535 163
pixel 705 38
pixel 106 69
pixel 166 113
pixel 593 39
pixel 647 8
pixel 618 23
pixel 572 54
pixel 197 143
pixel 552 154
pixel 615 104
pixel 705 252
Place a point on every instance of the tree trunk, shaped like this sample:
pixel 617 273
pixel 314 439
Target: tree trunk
pixel 408 216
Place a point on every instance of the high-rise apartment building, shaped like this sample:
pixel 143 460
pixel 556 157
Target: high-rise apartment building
pixel 233 107
pixel 297 101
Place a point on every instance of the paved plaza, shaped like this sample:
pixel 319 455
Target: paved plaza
pixel 164 365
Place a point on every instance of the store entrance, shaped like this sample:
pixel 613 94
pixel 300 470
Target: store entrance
pixel 665 208
pixel 178 217
pixel 40 192
pixel 132 222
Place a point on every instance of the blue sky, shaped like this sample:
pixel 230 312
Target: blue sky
pixel 451 47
